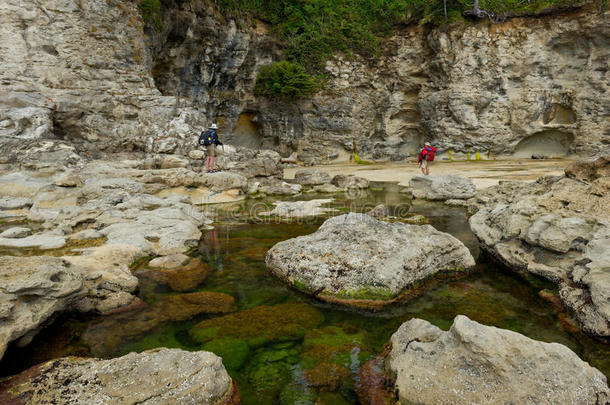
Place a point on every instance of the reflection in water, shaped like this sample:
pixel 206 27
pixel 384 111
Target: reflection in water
pixel 281 346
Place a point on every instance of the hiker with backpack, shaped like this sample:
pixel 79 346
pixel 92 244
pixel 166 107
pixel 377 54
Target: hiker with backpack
pixel 426 155
pixel 210 140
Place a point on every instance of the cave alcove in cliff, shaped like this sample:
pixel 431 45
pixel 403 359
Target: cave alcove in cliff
pixel 247 131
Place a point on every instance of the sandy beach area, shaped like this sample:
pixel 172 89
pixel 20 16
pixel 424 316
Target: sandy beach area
pixel 484 173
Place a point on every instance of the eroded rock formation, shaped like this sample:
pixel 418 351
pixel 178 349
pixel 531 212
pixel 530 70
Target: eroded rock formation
pixel 557 228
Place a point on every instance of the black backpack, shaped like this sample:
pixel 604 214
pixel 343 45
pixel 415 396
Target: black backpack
pixel 207 137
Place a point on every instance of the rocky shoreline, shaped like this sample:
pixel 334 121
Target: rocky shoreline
pixel 82 228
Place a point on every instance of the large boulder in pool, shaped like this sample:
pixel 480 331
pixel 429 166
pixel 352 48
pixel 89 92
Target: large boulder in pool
pixel 477 364
pixel 158 376
pixel 356 259
pixel 557 228
pixel 449 187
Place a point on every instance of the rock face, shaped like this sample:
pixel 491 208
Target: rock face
pixel 557 228
pixel 472 87
pixel 442 187
pixel 104 100
pixel 526 86
pixel 473 363
pixel 36 289
pixel 156 376
pixel 356 257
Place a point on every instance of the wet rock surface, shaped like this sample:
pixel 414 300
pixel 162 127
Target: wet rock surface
pixel 356 257
pixel 474 363
pixel 449 187
pixel 156 376
pixel 557 228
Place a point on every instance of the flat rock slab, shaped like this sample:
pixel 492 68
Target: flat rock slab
pixel 278 187
pixel 442 187
pixel 13 203
pixel 204 195
pixel 357 257
pixel 347 181
pixel 21 185
pixel 39 240
pixel 477 364
pixel 299 209
pixel 158 376
pixel 311 177
pixel 162 231
pixel 16 232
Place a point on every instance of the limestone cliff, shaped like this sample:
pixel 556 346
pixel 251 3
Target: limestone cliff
pixel 91 73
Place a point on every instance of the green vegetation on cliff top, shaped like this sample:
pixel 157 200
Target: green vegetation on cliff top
pixel 312 31
pixel 285 80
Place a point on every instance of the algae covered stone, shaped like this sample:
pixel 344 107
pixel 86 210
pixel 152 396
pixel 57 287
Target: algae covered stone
pixel 233 352
pixel 332 356
pixel 105 336
pixel 260 325
pixel 355 257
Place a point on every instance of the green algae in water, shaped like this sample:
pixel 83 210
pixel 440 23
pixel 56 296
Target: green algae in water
pixel 261 325
pixel 234 352
pixel 276 366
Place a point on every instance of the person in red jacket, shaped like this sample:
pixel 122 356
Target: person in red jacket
pixel 425 157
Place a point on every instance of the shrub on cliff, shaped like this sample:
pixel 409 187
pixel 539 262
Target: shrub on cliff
pixel 285 80
pixel 151 13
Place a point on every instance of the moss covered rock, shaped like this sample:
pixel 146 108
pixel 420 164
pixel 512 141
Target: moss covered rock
pixel 234 352
pixel 261 325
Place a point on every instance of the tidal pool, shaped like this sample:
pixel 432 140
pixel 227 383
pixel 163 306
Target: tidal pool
pixel 284 347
